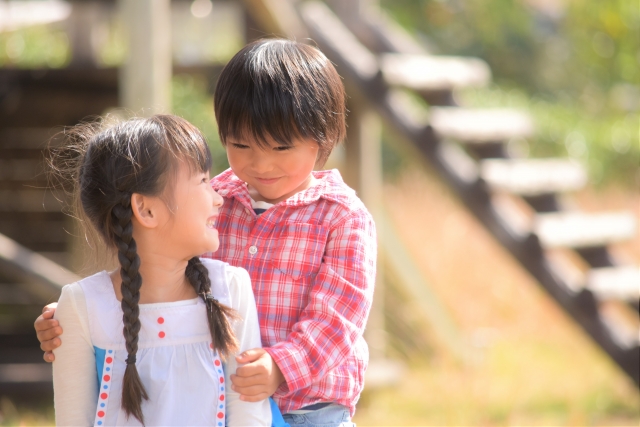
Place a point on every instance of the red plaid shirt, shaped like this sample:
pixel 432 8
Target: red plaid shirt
pixel 312 262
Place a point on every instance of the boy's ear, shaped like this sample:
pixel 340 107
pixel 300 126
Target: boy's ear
pixel 145 210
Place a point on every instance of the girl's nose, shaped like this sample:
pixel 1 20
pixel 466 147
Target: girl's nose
pixel 218 200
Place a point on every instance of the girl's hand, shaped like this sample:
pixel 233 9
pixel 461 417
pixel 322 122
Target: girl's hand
pixel 48 330
pixel 258 378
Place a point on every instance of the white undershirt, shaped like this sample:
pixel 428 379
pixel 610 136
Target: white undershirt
pixel 260 204
pixel 74 376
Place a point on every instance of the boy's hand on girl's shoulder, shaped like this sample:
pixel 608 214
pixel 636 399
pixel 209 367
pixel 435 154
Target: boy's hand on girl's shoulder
pixel 48 330
pixel 258 378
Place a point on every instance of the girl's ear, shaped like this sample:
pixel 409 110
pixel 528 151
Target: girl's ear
pixel 145 210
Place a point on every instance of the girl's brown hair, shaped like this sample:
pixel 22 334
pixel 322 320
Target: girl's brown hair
pixel 284 89
pixel 107 164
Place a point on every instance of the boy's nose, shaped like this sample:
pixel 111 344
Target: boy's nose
pixel 261 163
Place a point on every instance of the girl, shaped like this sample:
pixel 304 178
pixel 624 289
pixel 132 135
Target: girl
pixel 145 344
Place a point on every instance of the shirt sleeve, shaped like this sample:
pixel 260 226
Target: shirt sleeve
pixel 339 304
pixel 75 380
pixel 247 330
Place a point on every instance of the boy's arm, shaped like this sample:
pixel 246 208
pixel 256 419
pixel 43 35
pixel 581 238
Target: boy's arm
pixel 48 330
pixel 339 304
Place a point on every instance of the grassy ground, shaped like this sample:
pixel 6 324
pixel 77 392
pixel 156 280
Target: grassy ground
pixel 39 413
pixel 529 364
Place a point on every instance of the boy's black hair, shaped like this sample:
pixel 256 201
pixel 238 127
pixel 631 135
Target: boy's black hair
pixel 284 90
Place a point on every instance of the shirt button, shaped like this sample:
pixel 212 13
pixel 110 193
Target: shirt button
pixel 253 250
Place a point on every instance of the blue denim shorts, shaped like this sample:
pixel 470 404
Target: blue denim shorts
pixel 333 415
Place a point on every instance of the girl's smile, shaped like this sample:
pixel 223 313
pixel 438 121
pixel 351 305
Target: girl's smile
pixel 211 222
pixel 189 216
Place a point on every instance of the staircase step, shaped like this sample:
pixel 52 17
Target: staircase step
pixel 44 274
pixel 22 170
pixel 319 18
pixel 579 229
pixel 533 177
pixel 30 200
pixel 625 333
pixel 25 373
pixel 433 73
pixel 480 126
pixel 14 294
pixel 25 138
pixel 621 283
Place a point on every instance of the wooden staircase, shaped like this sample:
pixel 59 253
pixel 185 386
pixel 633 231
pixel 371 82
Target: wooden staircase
pixel 519 200
pixel 34 232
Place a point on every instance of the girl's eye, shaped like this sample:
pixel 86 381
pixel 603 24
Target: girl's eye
pixel 282 148
pixel 240 146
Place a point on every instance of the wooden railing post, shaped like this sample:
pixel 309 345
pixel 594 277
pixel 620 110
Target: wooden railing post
pixel 363 172
pixel 145 77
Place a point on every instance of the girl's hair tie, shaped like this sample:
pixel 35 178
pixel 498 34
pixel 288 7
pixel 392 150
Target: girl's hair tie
pixel 209 297
pixel 131 359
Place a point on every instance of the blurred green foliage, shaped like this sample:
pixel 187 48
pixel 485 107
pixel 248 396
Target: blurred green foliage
pixel 192 101
pixel 543 46
pixel 573 65
pixel 607 144
pixel 39 46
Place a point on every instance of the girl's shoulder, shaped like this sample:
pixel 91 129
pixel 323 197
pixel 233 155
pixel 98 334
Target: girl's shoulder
pixel 230 283
pixel 97 286
pixel 223 271
pixel 219 277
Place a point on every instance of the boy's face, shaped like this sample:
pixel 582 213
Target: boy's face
pixel 274 173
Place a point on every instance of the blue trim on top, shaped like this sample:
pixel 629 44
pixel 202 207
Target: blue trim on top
pixel 276 416
pixel 100 356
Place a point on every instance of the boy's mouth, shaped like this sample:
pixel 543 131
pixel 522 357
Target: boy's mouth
pixel 267 180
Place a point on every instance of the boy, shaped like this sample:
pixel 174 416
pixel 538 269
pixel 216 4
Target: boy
pixel 306 240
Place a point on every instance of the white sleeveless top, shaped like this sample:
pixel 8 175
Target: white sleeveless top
pixel 182 374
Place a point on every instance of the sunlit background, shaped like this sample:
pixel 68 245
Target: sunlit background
pixel 480 342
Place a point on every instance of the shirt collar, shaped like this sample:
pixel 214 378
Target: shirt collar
pixel 328 185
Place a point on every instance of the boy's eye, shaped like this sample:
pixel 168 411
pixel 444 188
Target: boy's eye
pixel 240 146
pixel 282 148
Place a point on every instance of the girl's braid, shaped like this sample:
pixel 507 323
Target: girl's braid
pixel 219 316
pixel 132 389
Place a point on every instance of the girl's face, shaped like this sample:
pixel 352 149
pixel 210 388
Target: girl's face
pixel 193 210
pixel 274 173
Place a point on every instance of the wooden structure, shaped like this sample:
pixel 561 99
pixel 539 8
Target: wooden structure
pixel 36 103
pixel 517 199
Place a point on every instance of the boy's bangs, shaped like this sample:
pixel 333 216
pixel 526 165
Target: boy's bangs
pixel 260 130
